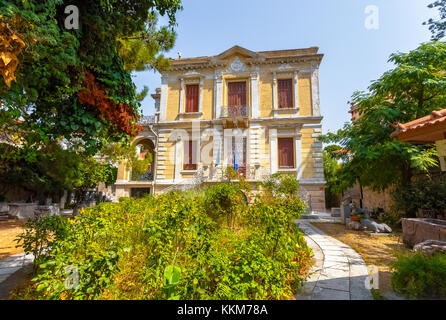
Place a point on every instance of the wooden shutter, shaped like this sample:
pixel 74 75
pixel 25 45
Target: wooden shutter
pixel 286 152
pixel 188 159
pixel 236 94
pixel 285 93
pixel 192 97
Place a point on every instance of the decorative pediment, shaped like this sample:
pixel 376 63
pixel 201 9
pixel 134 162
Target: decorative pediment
pixel 237 66
pixel 239 51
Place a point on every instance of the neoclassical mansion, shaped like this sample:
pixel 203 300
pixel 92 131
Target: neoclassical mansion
pixel 256 111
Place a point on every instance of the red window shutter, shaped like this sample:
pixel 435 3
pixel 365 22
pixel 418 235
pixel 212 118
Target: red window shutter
pixel 188 159
pixel 285 93
pixel 286 153
pixel 192 98
pixel 236 94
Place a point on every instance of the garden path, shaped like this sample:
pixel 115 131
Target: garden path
pixel 12 266
pixel 339 272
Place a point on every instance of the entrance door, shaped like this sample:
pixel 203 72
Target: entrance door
pixel 139 192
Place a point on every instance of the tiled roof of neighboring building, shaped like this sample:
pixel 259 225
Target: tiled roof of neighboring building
pixel 424 127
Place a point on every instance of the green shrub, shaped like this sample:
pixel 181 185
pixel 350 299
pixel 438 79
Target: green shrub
pixel 418 276
pixel 224 201
pixel 207 244
pixel 427 194
pixel 41 235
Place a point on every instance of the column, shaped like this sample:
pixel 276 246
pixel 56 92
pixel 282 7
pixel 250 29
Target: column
pixel 180 109
pixel 273 150
pixel 178 150
pixel 296 90
pixel 298 155
pixel 218 89
pixel 200 101
pixel 274 90
pixel 255 104
pixel 163 100
pixel 315 91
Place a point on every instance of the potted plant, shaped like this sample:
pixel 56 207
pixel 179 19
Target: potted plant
pixel 354 216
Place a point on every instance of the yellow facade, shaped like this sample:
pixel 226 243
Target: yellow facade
pixel 251 134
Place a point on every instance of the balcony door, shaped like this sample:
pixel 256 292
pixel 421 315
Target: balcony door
pixel 236 98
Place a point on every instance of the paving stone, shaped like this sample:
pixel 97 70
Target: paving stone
pixel 330 282
pixel 339 272
pixel 329 294
pixel 336 258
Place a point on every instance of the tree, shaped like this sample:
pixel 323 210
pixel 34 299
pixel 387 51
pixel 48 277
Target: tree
pixel 414 88
pixel 75 83
pixel 438 27
pixel 73 86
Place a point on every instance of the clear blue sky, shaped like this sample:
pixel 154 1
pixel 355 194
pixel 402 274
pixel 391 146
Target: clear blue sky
pixel 354 56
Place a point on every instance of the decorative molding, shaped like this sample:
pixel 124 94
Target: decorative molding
pixel 237 66
pixel 285 67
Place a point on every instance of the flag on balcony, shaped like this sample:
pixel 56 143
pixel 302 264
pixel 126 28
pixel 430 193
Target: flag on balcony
pixel 235 159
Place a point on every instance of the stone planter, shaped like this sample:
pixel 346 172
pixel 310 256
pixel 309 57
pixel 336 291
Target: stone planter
pixel 421 229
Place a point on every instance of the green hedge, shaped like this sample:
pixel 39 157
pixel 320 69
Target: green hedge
pixel 209 244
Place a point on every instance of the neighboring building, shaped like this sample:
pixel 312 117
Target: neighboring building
pixel 257 110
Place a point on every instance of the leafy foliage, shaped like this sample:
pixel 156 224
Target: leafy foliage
pixel 172 247
pixel 51 170
pixel 438 27
pixel 428 193
pixel 419 276
pixel 59 67
pixel 414 88
pixel 41 235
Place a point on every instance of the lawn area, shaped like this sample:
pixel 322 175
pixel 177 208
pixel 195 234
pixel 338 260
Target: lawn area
pixel 9 230
pixel 379 251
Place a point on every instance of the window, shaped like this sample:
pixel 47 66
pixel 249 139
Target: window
pixel 285 93
pixel 286 153
pixel 236 94
pixel 189 160
pixel 192 97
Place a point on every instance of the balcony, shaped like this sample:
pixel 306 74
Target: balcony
pixel 147 176
pixel 235 116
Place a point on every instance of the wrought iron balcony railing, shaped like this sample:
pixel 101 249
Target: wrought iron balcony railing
pixel 147 176
pixel 235 111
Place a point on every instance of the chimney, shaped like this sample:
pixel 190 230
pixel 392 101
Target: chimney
pixel 179 55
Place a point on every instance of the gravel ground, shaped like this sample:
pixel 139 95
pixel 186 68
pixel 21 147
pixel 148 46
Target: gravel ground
pixel 379 251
